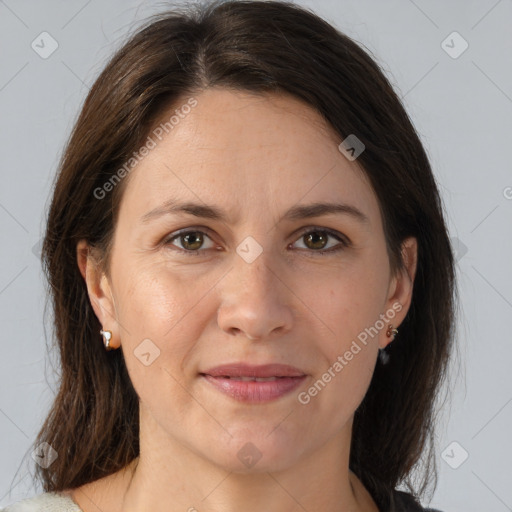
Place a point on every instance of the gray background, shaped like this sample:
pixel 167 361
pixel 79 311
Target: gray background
pixel 462 108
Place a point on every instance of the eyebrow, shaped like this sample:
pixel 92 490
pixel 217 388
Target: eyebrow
pixel 297 212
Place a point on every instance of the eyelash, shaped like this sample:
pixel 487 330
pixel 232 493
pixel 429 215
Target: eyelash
pixel 344 242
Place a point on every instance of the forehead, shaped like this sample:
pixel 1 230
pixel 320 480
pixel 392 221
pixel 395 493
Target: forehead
pixel 246 151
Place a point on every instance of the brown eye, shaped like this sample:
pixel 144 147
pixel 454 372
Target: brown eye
pixel 189 242
pixel 192 240
pixel 316 239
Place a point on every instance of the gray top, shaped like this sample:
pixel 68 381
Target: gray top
pixel 46 502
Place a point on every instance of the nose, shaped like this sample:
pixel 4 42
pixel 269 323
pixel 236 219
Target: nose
pixel 256 302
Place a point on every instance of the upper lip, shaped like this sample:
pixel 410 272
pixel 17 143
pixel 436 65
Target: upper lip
pixel 247 370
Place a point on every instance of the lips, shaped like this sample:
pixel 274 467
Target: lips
pixel 254 384
pixel 246 372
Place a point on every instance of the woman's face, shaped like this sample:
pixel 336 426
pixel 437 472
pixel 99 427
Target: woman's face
pixel 253 287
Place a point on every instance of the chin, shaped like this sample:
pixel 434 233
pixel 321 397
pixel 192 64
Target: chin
pixel 252 452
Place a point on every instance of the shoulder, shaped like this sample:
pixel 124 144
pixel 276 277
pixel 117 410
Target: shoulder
pixel 46 502
pixel 405 502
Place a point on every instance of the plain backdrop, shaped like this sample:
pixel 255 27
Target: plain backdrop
pixel 457 88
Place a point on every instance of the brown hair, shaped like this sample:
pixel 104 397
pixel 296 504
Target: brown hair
pixel 261 47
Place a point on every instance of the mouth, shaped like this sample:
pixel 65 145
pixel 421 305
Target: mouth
pixel 254 384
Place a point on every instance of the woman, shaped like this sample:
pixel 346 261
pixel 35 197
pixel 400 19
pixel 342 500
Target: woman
pixel 251 275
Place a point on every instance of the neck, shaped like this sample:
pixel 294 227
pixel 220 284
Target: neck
pixel 177 479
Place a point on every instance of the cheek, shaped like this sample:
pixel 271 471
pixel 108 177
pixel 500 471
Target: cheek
pixel 351 305
pixel 172 306
pixel 160 306
pixel 160 317
pixel 349 355
pixel 157 299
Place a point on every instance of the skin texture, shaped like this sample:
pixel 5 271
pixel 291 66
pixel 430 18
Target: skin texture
pixel 255 157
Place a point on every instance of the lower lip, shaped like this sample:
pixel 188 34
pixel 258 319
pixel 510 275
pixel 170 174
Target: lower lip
pixel 254 391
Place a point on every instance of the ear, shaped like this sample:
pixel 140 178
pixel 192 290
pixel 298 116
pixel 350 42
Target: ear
pixel 401 288
pixel 99 290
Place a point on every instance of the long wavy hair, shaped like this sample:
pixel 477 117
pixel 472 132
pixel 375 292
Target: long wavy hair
pixel 263 47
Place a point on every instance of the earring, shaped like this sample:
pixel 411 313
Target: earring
pixel 107 336
pixel 383 355
pixel 391 331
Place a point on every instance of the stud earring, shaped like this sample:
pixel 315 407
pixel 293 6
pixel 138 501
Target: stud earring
pixel 383 355
pixel 391 331
pixel 107 336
